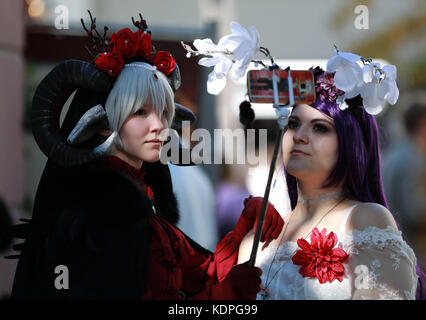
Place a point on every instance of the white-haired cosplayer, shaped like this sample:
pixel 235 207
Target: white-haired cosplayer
pixel 140 93
pixel 138 84
pixel 105 207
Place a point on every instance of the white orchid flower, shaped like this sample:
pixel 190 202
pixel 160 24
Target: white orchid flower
pixel 376 89
pixel 376 85
pixel 239 43
pixel 217 78
pixel 342 103
pixel 371 71
pixel 205 46
pixel 348 74
pixel 217 58
pixel 242 45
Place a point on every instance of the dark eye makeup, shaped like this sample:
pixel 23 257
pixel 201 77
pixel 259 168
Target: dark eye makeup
pixel 317 126
pixel 320 128
pixel 140 112
pixel 143 112
pixel 292 124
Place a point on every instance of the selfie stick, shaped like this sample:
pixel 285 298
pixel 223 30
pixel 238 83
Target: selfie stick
pixel 282 114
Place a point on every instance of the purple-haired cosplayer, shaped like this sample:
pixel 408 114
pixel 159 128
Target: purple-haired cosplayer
pixel 339 241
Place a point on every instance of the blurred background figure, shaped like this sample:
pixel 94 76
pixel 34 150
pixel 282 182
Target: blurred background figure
pixel 196 200
pixel 404 178
pixel 230 195
pixel 5 223
pixel 5 239
pixel 195 194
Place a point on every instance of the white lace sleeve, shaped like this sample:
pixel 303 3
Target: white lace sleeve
pixel 381 264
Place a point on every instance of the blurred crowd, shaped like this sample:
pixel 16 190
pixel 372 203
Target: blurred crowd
pixel 404 179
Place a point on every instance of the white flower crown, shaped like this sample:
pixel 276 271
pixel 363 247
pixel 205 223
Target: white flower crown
pixel 356 75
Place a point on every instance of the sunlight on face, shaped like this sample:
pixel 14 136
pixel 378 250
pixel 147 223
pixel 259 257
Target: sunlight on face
pixel 310 144
pixel 140 134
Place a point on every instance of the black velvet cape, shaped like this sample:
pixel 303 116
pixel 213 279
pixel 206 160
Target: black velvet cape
pixel 94 221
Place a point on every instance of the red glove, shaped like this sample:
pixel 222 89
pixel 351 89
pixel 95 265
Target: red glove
pixel 241 283
pixel 249 217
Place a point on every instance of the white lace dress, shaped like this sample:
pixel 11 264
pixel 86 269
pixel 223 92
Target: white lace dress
pixel 381 265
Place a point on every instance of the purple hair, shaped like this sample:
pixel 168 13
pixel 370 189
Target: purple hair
pixel 358 162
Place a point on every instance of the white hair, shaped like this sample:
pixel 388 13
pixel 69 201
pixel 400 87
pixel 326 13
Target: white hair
pixel 137 84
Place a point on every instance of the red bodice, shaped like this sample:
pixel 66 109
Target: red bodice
pixel 175 268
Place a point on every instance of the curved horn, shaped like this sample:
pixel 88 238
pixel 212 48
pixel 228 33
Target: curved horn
pixel 93 120
pixel 182 114
pixel 49 98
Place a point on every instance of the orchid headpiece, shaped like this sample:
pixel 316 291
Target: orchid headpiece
pixel 349 75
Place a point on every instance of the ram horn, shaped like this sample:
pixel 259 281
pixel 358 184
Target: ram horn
pixel 49 98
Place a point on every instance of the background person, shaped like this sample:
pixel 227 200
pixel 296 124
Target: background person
pixel 404 179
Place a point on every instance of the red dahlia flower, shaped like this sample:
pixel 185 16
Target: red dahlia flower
pixel 319 259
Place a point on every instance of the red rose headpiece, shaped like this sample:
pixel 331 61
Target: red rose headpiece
pixel 127 46
pixel 76 141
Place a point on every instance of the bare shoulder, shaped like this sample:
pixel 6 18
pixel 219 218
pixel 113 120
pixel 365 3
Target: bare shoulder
pixel 367 214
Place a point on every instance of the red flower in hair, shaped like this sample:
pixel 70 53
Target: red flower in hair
pixel 110 62
pixel 125 43
pixel 145 43
pixel 164 62
pixel 319 259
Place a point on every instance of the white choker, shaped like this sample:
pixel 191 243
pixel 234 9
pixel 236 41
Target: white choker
pixel 321 198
